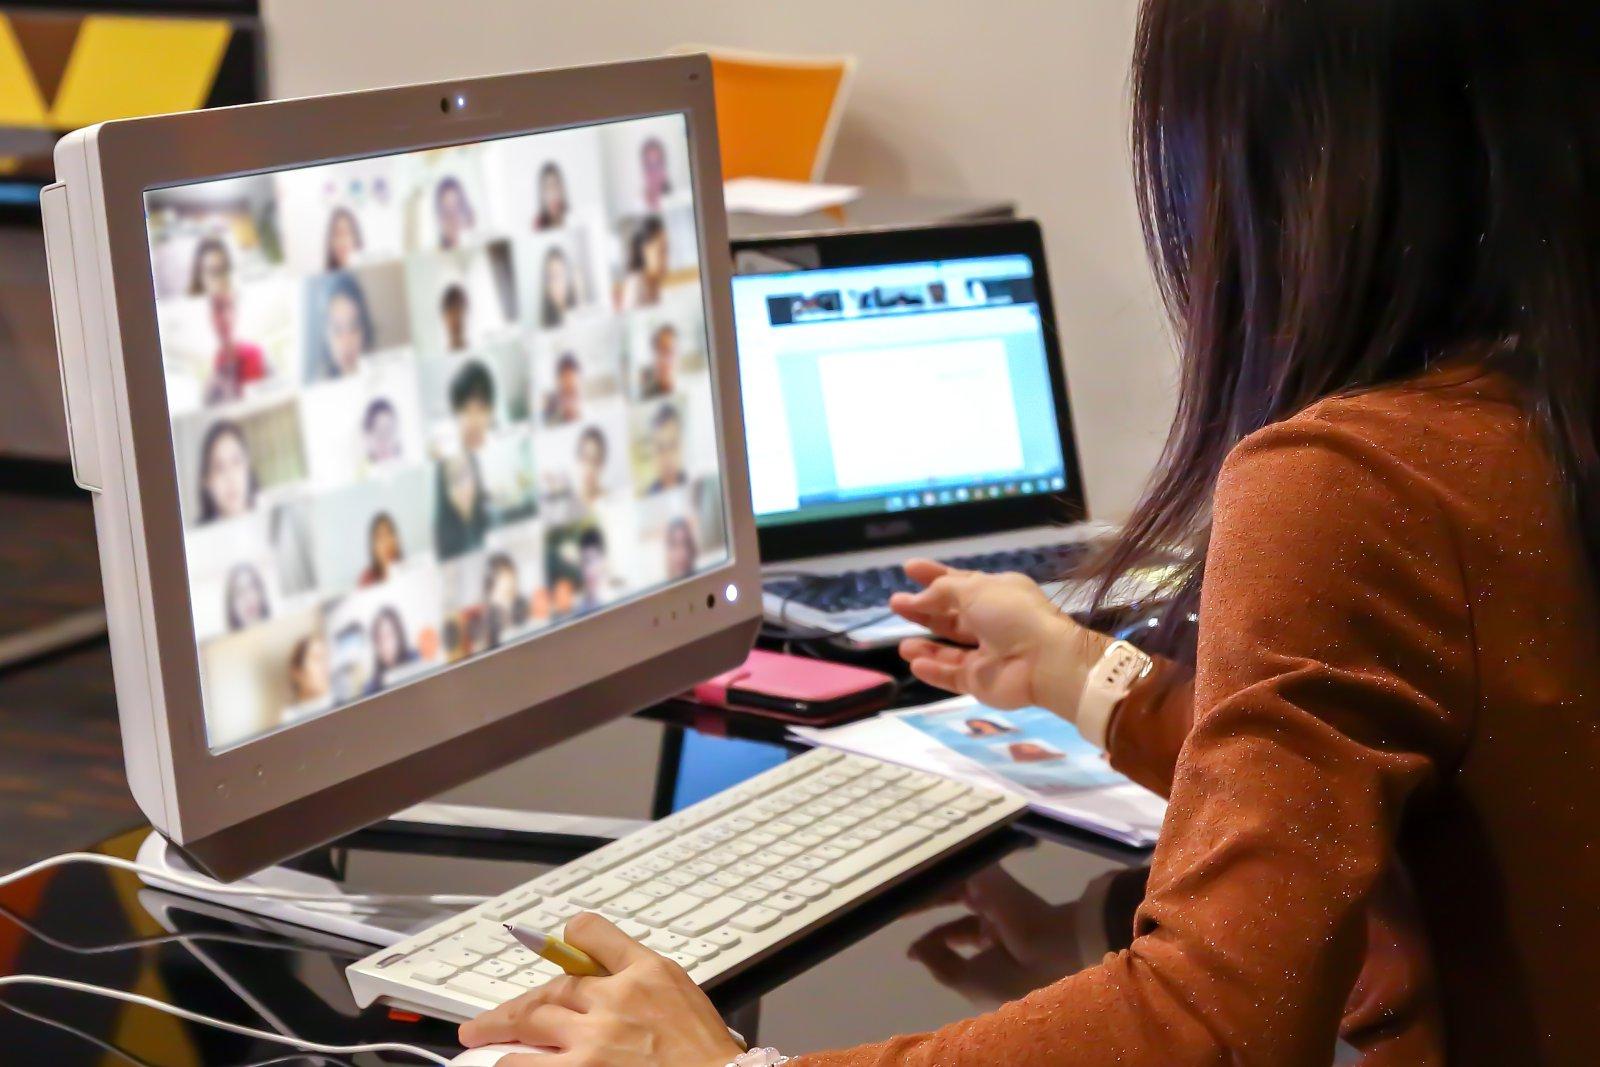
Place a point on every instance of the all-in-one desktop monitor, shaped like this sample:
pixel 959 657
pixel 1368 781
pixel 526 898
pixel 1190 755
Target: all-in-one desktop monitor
pixel 413 427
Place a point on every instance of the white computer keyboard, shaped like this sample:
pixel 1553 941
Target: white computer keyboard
pixel 716 887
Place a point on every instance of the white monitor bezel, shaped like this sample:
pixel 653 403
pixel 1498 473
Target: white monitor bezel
pixel 207 792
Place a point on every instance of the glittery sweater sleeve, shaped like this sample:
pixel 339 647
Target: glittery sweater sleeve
pixel 1335 677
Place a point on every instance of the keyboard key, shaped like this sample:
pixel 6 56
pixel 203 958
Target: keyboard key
pixel 660 889
pixel 634 929
pixel 494 968
pixel 787 903
pixel 559 881
pixel 481 986
pixel 769 884
pixel 511 904
pixel 667 910
pixel 852 867
pixel 518 956
pixel 810 888
pixel 699 950
pixel 665 941
pixel 432 972
pixel 561 909
pixel 454 955
pixel 628 904
pixel 746 869
pixel 749 894
pixel 727 880
pixel 706 890
pixel 723 938
pixel 681 959
pixel 679 878
pixel 529 979
pixel 708 918
pixel 597 892
pixel 755 918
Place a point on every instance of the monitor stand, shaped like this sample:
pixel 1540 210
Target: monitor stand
pixel 429 828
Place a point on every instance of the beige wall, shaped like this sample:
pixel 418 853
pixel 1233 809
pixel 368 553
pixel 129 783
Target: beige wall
pixel 1021 98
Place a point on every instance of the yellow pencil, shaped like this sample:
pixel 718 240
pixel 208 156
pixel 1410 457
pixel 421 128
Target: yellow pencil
pixel 574 961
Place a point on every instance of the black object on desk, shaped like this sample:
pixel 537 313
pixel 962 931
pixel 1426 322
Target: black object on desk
pixel 98 926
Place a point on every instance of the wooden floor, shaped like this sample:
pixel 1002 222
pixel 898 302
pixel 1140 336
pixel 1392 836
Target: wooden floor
pixel 61 779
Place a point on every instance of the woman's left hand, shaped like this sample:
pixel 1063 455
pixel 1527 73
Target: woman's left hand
pixel 646 1012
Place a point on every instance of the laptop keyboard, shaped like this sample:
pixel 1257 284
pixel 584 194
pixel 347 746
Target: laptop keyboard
pixel 871 588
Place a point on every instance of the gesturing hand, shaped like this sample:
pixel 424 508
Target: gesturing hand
pixel 646 1012
pixel 1001 639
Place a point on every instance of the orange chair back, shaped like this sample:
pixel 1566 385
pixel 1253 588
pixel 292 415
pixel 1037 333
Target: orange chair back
pixel 777 115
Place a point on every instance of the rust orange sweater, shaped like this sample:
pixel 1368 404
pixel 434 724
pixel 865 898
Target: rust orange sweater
pixel 1384 776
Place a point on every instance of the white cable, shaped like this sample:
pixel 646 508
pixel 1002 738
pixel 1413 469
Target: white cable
pixel 220 1024
pixel 206 885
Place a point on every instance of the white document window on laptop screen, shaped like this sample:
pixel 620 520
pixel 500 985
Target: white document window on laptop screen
pixel 959 386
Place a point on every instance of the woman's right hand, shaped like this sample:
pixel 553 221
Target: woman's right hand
pixel 997 638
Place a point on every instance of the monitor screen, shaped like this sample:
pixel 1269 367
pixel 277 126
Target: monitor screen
pixel 845 371
pixel 429 404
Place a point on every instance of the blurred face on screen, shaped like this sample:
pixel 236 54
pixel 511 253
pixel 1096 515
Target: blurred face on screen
pixel 680 550
pixel 453 309
pixel 596 572
pixel 385 544
pixel 453 212
pixel 344 240
pixel 591 466
pixel 227 476
pixel 309 670
pixel 383 436
pixel 559 280
pixel 346 334
pixel 247 600
pixel 664 358
pixel 224 317
pixel 653 164
pixel 475 419
pixel 503 587
pixel 213 270
pixel 388 644
pixel 569 390
pixel 461 486
pixel 552 198
pixel 666 443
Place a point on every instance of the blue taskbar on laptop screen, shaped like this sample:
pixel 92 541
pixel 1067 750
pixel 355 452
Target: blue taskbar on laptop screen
pixel 895 387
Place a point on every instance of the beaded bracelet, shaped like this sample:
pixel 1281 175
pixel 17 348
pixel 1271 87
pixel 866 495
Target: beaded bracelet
pixel 760 1057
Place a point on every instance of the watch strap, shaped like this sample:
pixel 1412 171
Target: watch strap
pixel 1110 681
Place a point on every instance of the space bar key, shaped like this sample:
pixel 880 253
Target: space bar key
pixel 890 846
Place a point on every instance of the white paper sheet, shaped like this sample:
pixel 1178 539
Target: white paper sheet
pixel 1121 811
pixel 769 196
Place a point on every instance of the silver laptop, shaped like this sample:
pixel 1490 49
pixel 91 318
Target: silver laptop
pixel 903 396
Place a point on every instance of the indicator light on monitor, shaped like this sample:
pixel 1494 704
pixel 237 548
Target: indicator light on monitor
pixel 732 593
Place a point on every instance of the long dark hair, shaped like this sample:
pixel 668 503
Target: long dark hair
pixel 1336 196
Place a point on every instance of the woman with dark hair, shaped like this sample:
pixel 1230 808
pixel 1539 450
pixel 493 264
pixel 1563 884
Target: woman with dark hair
pixel 227 476
pixel 391 649
pixel 461 516
pixel 559 291
pixel 343 243
pixel 1377 226
pixel 246 597
pixel 648 258
pixel 212 269
pixel 347 330
pixel 552 196
pixel 383 549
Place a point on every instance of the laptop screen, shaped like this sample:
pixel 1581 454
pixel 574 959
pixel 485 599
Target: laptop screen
pixel 894 387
